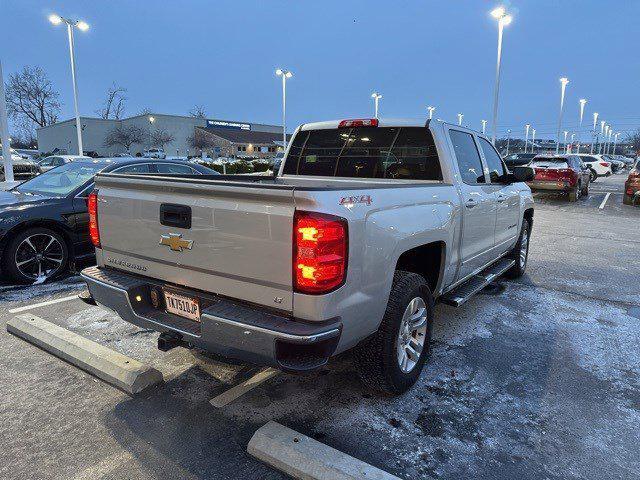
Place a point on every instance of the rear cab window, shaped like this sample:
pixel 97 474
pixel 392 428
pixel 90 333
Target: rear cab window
pixel 407 153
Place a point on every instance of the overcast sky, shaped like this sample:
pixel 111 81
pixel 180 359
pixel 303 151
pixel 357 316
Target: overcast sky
pixel 222 54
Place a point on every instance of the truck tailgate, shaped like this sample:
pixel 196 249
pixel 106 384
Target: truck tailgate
pixel 239 243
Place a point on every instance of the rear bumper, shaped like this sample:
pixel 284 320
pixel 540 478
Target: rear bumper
pixel 550 186
pixel 227 328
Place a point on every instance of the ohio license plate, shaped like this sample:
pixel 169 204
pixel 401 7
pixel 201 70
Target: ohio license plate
pixel 184 306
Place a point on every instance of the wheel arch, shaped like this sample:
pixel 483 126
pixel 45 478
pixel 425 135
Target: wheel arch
pixel 427 260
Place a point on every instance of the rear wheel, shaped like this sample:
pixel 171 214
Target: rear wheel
pixel 585 190
pixel 391 360
pixel 36 254
pixel 594 176
pixel 574 195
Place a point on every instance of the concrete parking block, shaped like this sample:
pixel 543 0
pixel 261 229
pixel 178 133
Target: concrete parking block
pixel 307 459
pixel 124 372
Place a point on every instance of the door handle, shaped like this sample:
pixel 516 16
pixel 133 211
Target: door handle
pixel 471 203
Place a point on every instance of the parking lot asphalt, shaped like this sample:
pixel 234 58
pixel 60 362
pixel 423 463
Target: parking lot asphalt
pixel 533 379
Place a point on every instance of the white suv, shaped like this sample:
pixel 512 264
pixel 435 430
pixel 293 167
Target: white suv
pixel 597 164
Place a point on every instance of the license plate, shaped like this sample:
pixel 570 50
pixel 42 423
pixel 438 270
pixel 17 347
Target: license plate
pixel 186 307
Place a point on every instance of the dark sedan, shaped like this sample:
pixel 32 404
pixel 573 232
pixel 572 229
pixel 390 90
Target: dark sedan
pixel 44 221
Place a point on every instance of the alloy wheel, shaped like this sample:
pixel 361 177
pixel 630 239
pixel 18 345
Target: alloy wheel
pixel 39 255
pixel 412 334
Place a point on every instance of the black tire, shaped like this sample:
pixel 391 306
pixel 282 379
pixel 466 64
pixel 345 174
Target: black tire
pixel 520 266
pixel 574 195
pixel 594 176
pixel 38 234
pixel 377 356
pixel 585 191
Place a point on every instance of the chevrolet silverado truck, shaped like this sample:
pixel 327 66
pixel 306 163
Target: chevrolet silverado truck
pixel 364 226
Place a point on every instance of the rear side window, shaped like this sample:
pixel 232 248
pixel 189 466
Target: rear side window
pixel 365 152
pixel 587 158
pixel 174 168
pixel 468 157
pixel 494 162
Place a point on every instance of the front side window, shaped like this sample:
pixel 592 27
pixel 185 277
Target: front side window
pixel 494 162
pixel 468 157
pixel 365 152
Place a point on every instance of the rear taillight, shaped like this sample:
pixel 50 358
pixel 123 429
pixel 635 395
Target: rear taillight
pixel 359 122
pixel 319 252
pixel 604 164
pixel 92 205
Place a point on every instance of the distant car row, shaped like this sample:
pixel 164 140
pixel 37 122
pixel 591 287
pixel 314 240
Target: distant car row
pixel 602 165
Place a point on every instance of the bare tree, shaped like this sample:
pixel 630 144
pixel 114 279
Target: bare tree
pixel 634 140
pixel 124 136
pixel 160 137
pixel 30 96
pixel 198 112
pixel 145 111
pixel 200 140
pixel 113 106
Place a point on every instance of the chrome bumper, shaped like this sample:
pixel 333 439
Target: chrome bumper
pixel 226 328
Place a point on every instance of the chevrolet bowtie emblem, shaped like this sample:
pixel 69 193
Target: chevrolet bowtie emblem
pixel 175 242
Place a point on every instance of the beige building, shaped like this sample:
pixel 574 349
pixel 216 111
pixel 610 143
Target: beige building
pixel 255 137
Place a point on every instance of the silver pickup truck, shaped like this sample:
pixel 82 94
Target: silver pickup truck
pixel 365 224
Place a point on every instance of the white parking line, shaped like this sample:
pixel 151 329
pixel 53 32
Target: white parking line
pixel 604 202
pixel 43 304
pixel 235 392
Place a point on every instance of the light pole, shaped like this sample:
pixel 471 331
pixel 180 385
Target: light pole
pixel 484 127
pixel 526 136
pixel 431 109
pixel 84 26
pixel 376 98
pixel 284 74
pixel 563 86
pixel 460 116
pixel 533 139
pixel 508 140
pixel 595 122
pixel 602 124
pixel 571 143
pixel 151 120
pixel 615 142
pixel 503 18
pixel 566 146
pixel 609 133
pixel 583 102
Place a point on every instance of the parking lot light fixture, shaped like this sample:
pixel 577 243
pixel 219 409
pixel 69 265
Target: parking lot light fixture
pixel 533 139
pixel 583 102
pixel 508 140
pixel 484 126
pixel 376 98
pixel 615 142
pixel 566 145
pixel 500 14
pixel 602 124
pixel 285 74
pixel 460 117
pixel 526 136
pixel 56 19
pixel 563 87
pixel 573 135
pixel 595 122
pixel 431 110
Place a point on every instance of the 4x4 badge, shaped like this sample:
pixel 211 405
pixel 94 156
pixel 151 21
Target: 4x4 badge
pixel 175 242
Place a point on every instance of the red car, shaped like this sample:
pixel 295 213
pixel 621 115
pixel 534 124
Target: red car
pixel 632 186
pixel 561 173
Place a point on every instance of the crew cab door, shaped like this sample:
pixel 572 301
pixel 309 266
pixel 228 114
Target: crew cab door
pixel 478 204
pixel 507 199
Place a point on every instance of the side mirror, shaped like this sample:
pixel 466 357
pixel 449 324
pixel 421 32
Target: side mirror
pixel 523 174
pixel 276 167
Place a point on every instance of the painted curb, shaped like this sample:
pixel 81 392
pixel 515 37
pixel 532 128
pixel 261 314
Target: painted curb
pixel 305 458
pixel 124 372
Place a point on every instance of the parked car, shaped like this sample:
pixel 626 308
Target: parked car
pixel 616 165
pixel 632 186
pixel 367 224
pixel 23 168
pixel 154 153
pixel 600 166
pixel 44 221
pixel 561 173
pixel 54 161
pixel 518 159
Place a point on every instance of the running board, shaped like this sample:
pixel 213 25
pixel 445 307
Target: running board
pixel 459 295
